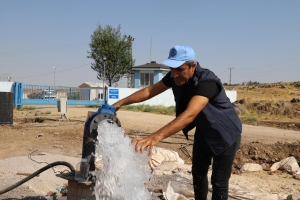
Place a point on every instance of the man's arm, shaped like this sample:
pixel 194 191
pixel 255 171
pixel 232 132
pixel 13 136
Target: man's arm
pixel 194 107
pixel 142 95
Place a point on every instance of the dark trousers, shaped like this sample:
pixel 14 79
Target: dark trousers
pixel 221 169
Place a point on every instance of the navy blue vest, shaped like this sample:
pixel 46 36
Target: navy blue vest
pixel 218 122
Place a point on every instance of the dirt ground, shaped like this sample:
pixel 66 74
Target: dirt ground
pixel 35 131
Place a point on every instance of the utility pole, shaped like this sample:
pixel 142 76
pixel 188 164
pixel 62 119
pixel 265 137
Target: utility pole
pixel 131 39
pixel 104 78
pixel 54 74
pixel 230 75
pixel 150 49
pixel 5 77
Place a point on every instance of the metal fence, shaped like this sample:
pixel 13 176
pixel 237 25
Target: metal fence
pixel 42 95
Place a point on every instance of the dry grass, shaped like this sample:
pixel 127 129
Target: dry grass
pixel 275 95
pixel 283 91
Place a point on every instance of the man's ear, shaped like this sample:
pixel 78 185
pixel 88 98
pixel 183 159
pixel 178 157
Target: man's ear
pixel 194 66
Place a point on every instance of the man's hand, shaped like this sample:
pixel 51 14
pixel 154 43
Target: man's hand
pixel 117 105
pixel 142 143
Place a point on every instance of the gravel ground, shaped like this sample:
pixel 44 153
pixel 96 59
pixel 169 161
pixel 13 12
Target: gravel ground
pixel 38 186
pixel 47 182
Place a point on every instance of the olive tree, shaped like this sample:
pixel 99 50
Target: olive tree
pixel 112 54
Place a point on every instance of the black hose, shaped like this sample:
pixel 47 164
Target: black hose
pixel 37 173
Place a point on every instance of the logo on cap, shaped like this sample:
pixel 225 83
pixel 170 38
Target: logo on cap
pixel 173 52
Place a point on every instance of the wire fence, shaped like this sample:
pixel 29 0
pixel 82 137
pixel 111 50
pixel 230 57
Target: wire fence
pixel 56 92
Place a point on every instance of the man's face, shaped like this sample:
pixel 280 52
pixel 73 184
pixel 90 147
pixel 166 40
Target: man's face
pixel 183 73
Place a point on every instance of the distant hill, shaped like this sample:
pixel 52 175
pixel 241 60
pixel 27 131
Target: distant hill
pixel 280 91
pixel 270 104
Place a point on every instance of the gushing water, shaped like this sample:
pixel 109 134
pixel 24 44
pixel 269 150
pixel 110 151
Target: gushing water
pixel 124 171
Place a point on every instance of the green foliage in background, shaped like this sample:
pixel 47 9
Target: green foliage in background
pixel 46 113
pixel 151 109
pixel 74 96
pixel 112 53
pixel 249 119
pixel 21 108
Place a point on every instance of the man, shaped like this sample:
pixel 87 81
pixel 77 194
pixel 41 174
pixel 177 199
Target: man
pixel 201 102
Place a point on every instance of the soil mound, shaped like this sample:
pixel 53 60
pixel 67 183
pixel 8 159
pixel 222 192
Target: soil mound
pixel 259 153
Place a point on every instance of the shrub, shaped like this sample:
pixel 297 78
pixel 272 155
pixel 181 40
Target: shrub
pixel 152 109
pixel 22 108
pixel 47 112
pixel 251 119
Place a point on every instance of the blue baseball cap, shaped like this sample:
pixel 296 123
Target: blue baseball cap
pixel 178 55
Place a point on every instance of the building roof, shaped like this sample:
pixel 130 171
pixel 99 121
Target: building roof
pixel 90 85
pixel 152 65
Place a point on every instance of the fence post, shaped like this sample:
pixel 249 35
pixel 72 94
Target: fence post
pixel 71 94
pixel 105 97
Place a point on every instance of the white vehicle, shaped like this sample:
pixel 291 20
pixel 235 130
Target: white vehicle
pixel 48 94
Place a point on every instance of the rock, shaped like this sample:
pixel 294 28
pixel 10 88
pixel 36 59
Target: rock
pixel 265 166
pixel 290 165
pixel 275 166
pixel 287 111
pixel 242 101
pixel 293 197
pixel 40 135
pixel 59 195
pixel 295 100
pixel 297 176
pixel 251 167
pixel 266 197
pixel 255 104
pixel 50 194
pixel 42 153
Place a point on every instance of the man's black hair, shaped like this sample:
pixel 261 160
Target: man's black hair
pixel 190 63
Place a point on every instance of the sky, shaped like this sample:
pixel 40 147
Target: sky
pixel 47 42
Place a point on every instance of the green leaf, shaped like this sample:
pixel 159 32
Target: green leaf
pixel 108 43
